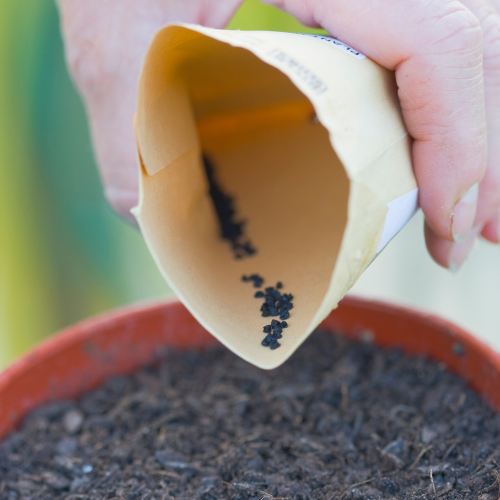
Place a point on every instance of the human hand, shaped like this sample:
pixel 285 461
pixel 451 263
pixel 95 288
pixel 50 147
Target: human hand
pixel 105 43
pixel 446 55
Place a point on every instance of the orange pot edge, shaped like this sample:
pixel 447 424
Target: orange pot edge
pixel 83 356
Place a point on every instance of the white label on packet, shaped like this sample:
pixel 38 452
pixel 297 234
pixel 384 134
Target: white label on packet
pixel 400 211
pixel 337 43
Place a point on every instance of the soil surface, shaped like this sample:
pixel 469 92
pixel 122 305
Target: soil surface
pixel 337 421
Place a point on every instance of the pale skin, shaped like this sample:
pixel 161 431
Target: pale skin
pixel 445 54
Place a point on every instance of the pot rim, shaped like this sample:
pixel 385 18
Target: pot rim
pixel 84 355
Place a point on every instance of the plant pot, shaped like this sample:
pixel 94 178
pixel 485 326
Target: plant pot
pixel 83 356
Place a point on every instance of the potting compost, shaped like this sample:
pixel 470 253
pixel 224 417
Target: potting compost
pixel 339 420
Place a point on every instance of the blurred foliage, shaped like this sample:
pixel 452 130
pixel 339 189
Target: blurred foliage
pixel 254 15
pixel 63 254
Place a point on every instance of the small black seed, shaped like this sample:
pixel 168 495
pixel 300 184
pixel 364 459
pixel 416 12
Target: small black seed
pixel 277 329
pixel 274 311
pixel 274 323
pixel 284 324
pixel 249 249
pixel 276 335
pixel 257 280
pixel 275 345
pixel 265 342
pixel 279 285
pixel 267 329
pixel 230 228
pixel 266 313
pixel 245 278
pixel 259 294
pixel 284 315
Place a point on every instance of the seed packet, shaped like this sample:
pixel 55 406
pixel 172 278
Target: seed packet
pixel 273 153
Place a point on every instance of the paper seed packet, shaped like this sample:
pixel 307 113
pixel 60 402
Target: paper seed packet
pixel 307 137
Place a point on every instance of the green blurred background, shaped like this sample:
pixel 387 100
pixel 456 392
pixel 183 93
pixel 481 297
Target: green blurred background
pixel 64 255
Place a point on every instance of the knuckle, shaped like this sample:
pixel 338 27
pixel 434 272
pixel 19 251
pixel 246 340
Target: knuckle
pixel 491 26
pixel 458 30
pixel 467 26
pixel 491 39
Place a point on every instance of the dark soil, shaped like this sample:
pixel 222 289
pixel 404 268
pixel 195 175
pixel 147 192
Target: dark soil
pixel 337 421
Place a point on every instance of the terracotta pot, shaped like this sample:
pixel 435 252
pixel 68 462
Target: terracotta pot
pixel 83 356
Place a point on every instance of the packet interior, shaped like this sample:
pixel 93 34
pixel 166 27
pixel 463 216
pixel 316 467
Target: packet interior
pixel 312 161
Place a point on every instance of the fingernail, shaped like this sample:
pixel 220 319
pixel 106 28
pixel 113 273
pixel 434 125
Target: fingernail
pixel 464 214
pixel 460 251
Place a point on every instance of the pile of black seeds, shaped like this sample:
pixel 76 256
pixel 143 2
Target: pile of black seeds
pixel 275 304
pixel 337 421
pixel 231 229
pixel 274 333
